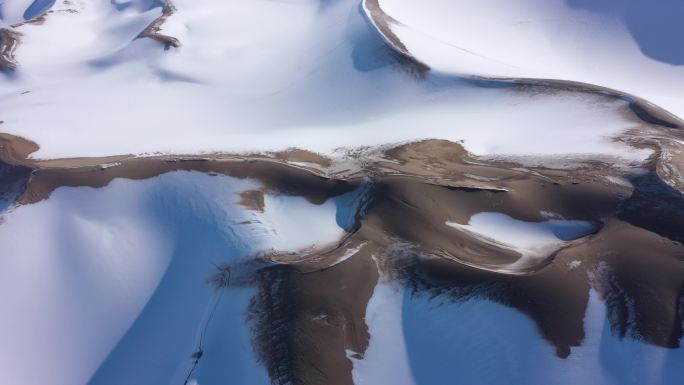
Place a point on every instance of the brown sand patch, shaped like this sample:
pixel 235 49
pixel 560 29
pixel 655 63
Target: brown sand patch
pixel 303 156
pixel 153 31
pixel 253 200
pixel 311 305
pixel 304 322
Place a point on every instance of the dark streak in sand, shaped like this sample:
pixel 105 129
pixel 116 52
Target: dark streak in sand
pixel 9 40
pixel 153 31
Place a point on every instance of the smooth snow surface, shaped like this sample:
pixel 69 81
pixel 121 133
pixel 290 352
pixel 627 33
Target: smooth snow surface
pixel 116 278
pixel 479 341
pixel 323 79
pixel 530 239
pixel 385 360
pixel 420 338
pixel 12 11
pixel 631 46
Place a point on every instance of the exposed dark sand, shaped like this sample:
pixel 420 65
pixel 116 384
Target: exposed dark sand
pixel 253 200
pixel 9 40
pixel 152 31
pixel 304 322
pixel 311 305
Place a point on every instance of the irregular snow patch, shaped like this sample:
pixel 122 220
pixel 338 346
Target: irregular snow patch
pixel 291 223
pixel 531 239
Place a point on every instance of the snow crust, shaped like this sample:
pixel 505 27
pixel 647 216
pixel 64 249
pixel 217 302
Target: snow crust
pixel 323 79
pixel 110 285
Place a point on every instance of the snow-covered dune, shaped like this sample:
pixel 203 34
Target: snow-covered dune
pixel 18 11
pixel 479 341
pixel 629 46
pixel 532 240
pixel 91 273
pixel 241 269
pixel 323 79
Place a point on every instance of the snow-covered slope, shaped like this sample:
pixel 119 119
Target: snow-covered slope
pixel 482 341
pixel 87 267
pixel 323 79
pixel 532 240
pixel 423 338
pixel 630 46
pixel 18 11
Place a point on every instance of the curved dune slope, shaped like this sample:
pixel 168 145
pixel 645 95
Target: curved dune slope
pixel 629 46
pixel 120 250
pixel 341 192
pixel 87 85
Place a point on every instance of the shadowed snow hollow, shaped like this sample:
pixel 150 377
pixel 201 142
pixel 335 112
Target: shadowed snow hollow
pixel 532 240
pixel 136 251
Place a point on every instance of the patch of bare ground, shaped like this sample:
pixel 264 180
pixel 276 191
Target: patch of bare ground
pixel 303 156
pixel 9 40
pixel 252 200
pixel 153 31
pixel 309 312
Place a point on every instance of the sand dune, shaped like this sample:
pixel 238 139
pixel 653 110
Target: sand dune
pixel 341 192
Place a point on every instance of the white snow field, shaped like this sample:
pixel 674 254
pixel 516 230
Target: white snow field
pixel 258 75
pixel 385 360
pixel 630 46
pixel 422 339
pixel 532 240
pixel 116 278
pixel 17 11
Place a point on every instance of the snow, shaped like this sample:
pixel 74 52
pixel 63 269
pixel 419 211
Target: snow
pixel 385 360
pixel 102 282
pixel 624 45
pixel 348 253
pixel 286 218
pixel 423 338
pixel 12 11
pixel 322 80
pixel 532 240
pixel 478 341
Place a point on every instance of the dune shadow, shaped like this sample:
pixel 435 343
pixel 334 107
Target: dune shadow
pixel 37 8
pixel 655 26
pixel 655 206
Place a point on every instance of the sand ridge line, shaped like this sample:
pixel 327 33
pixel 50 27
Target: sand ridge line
pixel 644 109
pixel 153 31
